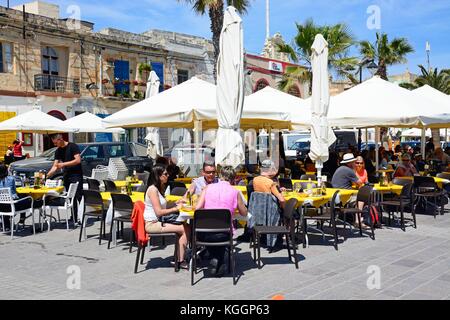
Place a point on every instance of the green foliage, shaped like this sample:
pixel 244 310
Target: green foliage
pixel 340 40
pixel 386 52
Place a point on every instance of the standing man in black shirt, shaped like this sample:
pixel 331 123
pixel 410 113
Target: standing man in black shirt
pixel 68 159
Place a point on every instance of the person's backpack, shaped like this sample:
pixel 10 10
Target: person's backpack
pixel 372 215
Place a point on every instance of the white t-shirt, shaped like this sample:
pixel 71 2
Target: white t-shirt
pixel 149 212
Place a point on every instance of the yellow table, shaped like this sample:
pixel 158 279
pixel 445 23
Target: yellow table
pixel 39 193
pixel 386 170
pixel 135 196
pixel 185 179
pixel 318 201
pixel 123 183
pixel 391 188
pixel 439 181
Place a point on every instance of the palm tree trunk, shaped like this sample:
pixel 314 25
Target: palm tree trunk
pixel 382 70
pixel 216 17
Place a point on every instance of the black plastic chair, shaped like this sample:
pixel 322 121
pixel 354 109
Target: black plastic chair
pixel 178 191
pixel 93 200
pixel 285 183
pixel 110 186
pixel 93 184
pixel 212 221
pixel 307 176
pixel 426 188
pixel 405 199
pixel 328 214
pixel 287 230
pixel 364 195
pixel 123 204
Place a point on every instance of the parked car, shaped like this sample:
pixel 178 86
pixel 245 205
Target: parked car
pixel 344 139
pixel 92 154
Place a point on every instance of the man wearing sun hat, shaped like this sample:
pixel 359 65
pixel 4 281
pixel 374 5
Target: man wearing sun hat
pixel 345 176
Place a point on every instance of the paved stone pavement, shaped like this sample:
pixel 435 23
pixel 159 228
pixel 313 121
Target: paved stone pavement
pixel 412 265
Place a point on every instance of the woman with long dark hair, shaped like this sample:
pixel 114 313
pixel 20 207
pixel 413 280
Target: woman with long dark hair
pixel 156 206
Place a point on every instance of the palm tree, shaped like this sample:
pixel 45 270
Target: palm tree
pixel 339 40
pixel 215 10
pixel 386 52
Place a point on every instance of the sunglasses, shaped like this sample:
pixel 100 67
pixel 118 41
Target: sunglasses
pixel 359 162
pixel 209 172
pixel 165 174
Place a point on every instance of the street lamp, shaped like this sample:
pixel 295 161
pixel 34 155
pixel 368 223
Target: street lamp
pixel 371 66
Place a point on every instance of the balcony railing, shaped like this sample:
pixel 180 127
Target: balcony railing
pixel 46 82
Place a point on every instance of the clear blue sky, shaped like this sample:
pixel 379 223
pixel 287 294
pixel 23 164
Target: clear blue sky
pixel 417 20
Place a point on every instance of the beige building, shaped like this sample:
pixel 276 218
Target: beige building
pixel 65 68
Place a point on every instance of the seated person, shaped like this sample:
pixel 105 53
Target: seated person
pixel 7 181
pixel 220 195
pixel 156 207
pixel 405 168
pixel 360 170
pixel 344 178
pixel 418 162
pixel 208 177
pixel 265 183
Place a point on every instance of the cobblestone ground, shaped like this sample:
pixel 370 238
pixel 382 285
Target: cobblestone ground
pixel 412 265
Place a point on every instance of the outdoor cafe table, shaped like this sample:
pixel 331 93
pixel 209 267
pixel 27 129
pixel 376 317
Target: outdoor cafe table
pixel 318 201
pixel 39 192
pixel 185 180
pixel 123 183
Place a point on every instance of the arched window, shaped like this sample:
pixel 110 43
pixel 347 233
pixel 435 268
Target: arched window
pixel 50 61
pixel 261 84
pixel 295 91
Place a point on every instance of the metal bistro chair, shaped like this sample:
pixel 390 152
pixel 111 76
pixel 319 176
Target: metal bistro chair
pixel 406 198
pixel 287 230
pixel 93 184
pixel 7 199
pixel 327 214
pixel 93 200
pixel 364 195
pixel 141 249
pixel 122 209
pixel 426 188
pixel 61 202
pixel 212 221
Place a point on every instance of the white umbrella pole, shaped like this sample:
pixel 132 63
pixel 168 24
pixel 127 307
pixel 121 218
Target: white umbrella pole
pixel 367 139
pixel 36 144
pixel 377 140
pixel 422 143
